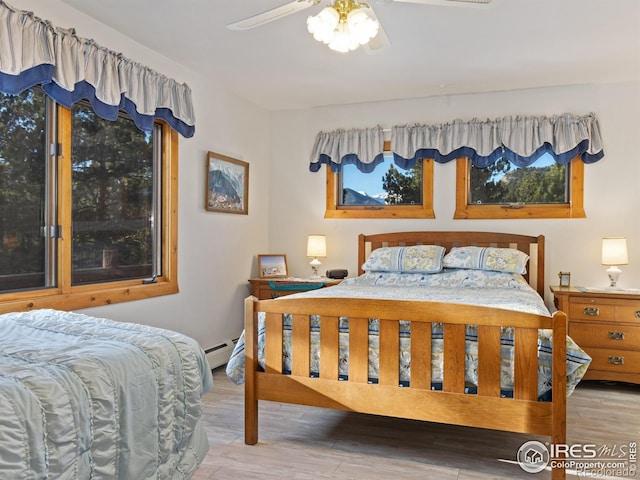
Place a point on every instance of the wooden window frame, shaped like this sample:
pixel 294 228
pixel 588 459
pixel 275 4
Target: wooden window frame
pixel 572 209
pixel 65 296
pixel 335 210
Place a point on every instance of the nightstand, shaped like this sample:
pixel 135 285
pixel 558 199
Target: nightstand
pixel 607 326
pixel 268 288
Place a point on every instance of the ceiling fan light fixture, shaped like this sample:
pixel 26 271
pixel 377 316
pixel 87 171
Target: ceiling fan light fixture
pixel 343 40
pixel 343 25
pixel 323 25
pixel 362 26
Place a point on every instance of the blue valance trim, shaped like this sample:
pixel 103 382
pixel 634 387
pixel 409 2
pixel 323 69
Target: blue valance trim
pixel 481 161
pixel 350 159
pixel 15 84
pixel 85 91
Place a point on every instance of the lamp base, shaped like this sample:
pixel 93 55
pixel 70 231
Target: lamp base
pixel 614 273
pixel 315 263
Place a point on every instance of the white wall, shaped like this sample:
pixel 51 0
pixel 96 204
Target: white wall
pixel 286 201
pixel 215 250
pixel 612 193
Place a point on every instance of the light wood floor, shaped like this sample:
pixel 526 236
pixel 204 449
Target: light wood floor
pixel 308 443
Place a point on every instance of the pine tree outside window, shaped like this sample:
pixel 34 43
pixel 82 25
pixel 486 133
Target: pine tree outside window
pixel 87 206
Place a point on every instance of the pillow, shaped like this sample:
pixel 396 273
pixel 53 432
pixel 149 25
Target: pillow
pixel 487 258
pixel 415 259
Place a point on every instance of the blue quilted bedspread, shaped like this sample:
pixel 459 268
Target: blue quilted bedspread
pixel 82 397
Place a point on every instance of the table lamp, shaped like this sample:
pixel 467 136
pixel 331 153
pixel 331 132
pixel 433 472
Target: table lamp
pixel 614 253
pixel 316 247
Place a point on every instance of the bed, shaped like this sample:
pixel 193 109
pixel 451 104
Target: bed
pixel 392 342
pixel 83 397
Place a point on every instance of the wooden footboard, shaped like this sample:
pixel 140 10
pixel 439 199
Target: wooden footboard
pixel 487 409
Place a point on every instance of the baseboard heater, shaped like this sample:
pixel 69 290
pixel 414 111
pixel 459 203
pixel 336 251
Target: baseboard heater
pixel 219 354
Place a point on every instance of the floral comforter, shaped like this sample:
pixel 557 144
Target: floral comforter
pixel 471 287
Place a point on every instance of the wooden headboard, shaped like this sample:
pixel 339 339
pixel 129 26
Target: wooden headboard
pixel 532 246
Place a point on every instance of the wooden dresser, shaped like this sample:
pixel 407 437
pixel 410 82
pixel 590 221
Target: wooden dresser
pixel 269 288
pixel 607 327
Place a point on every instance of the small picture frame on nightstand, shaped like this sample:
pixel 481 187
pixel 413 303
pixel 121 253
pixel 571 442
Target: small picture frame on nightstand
pixel 272 266
pixel 565 279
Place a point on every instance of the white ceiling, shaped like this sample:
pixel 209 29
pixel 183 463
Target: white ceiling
pixel 435 50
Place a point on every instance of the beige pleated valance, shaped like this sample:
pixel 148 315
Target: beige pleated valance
pixel 522 140
pixel 70 68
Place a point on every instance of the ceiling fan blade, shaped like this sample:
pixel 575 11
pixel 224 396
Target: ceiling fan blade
pixel 273 14
pixel 380 41
pixel 448 3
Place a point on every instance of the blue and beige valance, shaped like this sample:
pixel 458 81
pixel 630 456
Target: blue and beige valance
pixel 70 68
pixel 522 140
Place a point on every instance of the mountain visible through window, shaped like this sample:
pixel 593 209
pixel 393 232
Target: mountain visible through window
pixel 388 184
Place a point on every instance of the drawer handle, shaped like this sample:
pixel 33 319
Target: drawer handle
pixel 616 335
pixel 592 311
pixel 614 360
pixel 637 313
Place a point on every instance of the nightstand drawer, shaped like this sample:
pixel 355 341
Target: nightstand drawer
pixel 628 312
pixel 611 360
pixel 269 294
pixel 590 310
pixel 607 326
pixel 605 335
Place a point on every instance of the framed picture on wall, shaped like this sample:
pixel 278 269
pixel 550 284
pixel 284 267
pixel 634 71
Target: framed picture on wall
pixel 227 184
pixel 272 266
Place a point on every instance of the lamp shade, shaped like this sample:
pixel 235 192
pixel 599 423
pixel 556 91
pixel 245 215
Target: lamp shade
pixel 316 246
pixel 614 251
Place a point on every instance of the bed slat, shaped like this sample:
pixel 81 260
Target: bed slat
pixel 329 347
pixel 489 361
pixel 273 347
pixel 389 366
pixel 359 350
pixel 300 345
pixel 525 364
pixel 421 355
pixel 454 356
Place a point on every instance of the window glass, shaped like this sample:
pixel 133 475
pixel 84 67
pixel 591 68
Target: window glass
pixel 88 207
pixel 23 173
pixel 112 199
pixel 543 182
pixel 388 184
pixel 387 192
pixel 542 190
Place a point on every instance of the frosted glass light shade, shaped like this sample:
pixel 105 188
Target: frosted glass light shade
pixel 322 26
pixel 340 30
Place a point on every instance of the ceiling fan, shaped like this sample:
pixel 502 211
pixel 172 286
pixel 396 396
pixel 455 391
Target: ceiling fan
pixel 343 25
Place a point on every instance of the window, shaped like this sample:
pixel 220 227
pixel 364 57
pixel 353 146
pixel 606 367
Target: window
pixel 545 189
pixel 387 192
pixel 87 206
pixel 24 250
